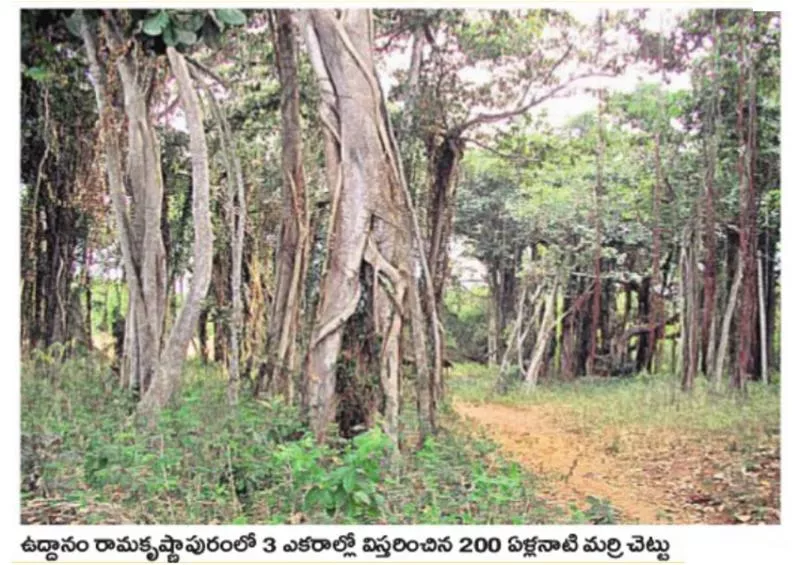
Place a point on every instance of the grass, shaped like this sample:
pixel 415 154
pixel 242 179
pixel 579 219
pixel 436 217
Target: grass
pixel 645 401
pixel 711 456
pixel 86 459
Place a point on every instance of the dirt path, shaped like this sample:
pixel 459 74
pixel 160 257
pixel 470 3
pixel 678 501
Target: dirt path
pixel 649 477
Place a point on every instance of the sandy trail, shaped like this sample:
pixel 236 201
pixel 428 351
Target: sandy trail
pixel 573 465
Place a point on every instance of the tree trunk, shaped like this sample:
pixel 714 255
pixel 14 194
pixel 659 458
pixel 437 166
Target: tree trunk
pixel 236 215
pixel 643 302
pixel 493 333
pixel 293 247
pixel 202 333
pixel 722 349
pixel 370 223
pixel 140 233
pixel 689 312
pixel 542 340
pixel 598 190
pixel 762 322
pixel 174 353
pixel 444 161
pixel 747 219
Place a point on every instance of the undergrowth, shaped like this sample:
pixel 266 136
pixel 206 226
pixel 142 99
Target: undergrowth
pixel 207 463
pixel 641 401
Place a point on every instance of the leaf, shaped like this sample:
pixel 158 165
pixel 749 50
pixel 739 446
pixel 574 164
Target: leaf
pixel 157 24
pixel 349 481
pixel 170 38
pixel 38 74
pixel 232 17
pixel 361 497
pixel 196 21
pixel 186 37
pixel 314 495
pixel 74 24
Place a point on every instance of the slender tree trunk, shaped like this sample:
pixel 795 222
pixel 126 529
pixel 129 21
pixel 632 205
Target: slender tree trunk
pixel 444 162
pixel 494 324
pixel 598 189
pixel 174 353
pixel 644 308
pixel 689 321
pixel 202 333
pixel 518 334
pixel 236 215
pixel 542 340
pixel 655 302
pixel 710 235
pixel 87 289
pixel 771 281
pixel 722 349
pixel 762 322
pixel 293 248
pixel 747 223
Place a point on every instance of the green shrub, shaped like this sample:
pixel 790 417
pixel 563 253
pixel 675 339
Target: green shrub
pixel 205 462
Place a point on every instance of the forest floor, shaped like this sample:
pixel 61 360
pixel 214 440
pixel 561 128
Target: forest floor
pixel 650 464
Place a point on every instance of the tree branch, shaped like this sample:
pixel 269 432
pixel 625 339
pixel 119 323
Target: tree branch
pixel 522 108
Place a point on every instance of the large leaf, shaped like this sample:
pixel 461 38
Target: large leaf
pixel 196 21
pixel 170 37
pixel 231 17
pixel 73 24
pixel 186 37
pixel 37 73
pixel 157 24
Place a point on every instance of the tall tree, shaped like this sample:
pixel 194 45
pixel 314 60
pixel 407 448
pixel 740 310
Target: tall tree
pixel 152 363
pixel 372 221
pixel 293 247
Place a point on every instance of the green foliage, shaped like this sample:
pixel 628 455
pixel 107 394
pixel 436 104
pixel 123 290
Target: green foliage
pixel 646 400
pixel 178 27
pixel 467 482
pixel 231 16
pixel 156 24
pixel 338 483
pixel 39 74
pixel 598 511
pixel 466 319
pixel 205 462
pixel 500 33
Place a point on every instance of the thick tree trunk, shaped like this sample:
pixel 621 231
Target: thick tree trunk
pixel 370 222
pixel 568 337
pixel 140 234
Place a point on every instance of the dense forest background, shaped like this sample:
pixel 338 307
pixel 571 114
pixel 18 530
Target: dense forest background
pixel 271 241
